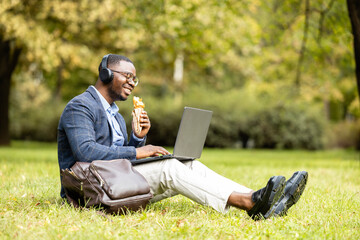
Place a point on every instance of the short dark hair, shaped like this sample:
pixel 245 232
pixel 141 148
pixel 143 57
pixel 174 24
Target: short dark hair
pixel 115 59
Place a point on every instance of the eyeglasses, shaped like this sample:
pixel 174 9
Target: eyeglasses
pixel 129 77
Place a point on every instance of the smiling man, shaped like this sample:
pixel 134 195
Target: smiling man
pixel 91 128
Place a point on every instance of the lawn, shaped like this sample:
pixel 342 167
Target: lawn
pixel 31 208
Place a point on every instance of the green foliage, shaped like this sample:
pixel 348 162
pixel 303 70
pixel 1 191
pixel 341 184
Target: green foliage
pixel 39 124
pixel 31 208
pixel 239 58
pixel 345 134
pixel 286 127
pixel 240 117
pixel 34 113
pixel 231 110
pixel 165 119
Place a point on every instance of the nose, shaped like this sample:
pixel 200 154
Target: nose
pixel 131 82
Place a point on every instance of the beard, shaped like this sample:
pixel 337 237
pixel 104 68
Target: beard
pixel 113 94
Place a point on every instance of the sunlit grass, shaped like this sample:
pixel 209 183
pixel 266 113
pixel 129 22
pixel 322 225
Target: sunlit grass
pixel 31 208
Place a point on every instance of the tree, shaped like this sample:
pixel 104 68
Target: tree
pixel 8 60
pixel 61 36
pixel 58 36
pixel 354 14
pixel 210 36
pixel 21 32
pixel 223 44
pixel 311 40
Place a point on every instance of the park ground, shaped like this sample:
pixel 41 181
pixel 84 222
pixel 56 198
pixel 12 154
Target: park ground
pixel 31 208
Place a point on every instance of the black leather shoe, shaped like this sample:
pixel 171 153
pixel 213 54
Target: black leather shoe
pixel 266 197
pixel 293 189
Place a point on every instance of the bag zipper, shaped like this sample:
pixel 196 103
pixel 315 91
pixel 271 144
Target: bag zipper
pixel 74 175
pixel 98 175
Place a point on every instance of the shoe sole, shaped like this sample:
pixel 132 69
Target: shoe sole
pixel 291 196
pixel 277 187
pixel 274 190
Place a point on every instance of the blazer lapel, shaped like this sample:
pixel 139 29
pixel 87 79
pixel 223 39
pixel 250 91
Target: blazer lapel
pixel 93 93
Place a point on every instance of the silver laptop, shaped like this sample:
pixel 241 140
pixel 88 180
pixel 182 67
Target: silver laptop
pixel 190 139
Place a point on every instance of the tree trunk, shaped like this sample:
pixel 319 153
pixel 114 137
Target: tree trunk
pixel 354 14
pixel 8 60
pixel 178 78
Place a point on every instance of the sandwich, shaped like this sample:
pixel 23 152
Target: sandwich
pixel 138 108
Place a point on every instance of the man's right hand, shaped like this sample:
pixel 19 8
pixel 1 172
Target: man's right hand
pixel 150 151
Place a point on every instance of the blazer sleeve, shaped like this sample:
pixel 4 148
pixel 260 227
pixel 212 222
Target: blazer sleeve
pixel 79 122
pixel 135 142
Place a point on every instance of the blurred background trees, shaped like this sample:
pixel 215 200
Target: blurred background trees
pixel 277 74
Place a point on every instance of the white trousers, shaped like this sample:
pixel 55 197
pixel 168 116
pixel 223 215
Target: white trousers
pixel 192 179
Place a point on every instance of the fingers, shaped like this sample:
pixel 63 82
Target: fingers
pixel 150 151
pixel 162 151
pixel 144 123
pixel 144 115
pixel 144 120
pixel 156 150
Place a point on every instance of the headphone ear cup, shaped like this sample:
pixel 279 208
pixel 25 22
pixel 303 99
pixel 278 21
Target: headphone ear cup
pixel 106 75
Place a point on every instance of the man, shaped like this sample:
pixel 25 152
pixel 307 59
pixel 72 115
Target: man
pixel 91 128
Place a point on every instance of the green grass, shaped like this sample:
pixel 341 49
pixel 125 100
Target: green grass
pixel 31 208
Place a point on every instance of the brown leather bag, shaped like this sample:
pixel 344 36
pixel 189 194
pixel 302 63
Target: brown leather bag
pixel 113 185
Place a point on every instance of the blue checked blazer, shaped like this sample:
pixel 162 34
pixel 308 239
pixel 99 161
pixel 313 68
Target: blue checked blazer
pixel 84 133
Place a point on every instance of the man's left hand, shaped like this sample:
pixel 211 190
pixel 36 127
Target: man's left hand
pixel 144 124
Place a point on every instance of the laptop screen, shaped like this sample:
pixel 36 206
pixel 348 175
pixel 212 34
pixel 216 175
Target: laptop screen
pixel 192 132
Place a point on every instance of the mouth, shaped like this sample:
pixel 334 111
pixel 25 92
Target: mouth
pixel 128 90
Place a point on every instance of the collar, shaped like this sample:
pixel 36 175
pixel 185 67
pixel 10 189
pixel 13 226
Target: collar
pixel 112 109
